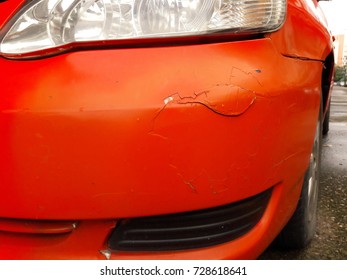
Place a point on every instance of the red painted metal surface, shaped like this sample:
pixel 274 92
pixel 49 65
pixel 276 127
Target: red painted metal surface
pixel 94 136
pixel 305 33
pixel 36 226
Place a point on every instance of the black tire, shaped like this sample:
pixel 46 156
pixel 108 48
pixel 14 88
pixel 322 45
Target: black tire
pixel 301 228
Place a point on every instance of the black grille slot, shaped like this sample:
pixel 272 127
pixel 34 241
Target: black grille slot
pixel 189 230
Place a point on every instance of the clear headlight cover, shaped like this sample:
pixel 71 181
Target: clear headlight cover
pixel 50 24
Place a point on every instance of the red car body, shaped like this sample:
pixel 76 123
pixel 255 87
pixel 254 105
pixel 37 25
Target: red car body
pixel 92 137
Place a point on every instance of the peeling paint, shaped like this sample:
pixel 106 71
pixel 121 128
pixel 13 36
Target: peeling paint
pixel 226 100
pixel 106 253
pixel 168 100
pixel 230 98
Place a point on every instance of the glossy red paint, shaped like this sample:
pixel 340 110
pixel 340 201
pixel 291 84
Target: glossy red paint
pixel 94 136
pixel 9 8
pixel 306 17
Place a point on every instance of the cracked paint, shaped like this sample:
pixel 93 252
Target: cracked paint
pixel 191 186
pixel 226 100
pixel 152 133
pixel 288 157
pixel 189 183
pixel 216 185
pixel 230 98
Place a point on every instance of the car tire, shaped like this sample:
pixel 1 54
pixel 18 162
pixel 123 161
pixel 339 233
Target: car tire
pixel 300 229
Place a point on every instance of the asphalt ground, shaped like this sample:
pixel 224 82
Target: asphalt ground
pixel 330 242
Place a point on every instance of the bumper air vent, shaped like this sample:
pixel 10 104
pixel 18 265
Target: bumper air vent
pixel 189 230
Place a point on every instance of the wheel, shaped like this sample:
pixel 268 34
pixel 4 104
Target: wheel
pixel 301 227
pixel 326 122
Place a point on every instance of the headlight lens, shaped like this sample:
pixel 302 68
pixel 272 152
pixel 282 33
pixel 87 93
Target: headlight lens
pixel 49 24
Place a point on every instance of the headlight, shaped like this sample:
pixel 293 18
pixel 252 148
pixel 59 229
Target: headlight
pixel 48 25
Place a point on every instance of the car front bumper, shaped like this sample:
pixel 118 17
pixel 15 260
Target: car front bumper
pixel 96 136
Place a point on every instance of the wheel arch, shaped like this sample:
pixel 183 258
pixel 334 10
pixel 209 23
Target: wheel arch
pixel 327 81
